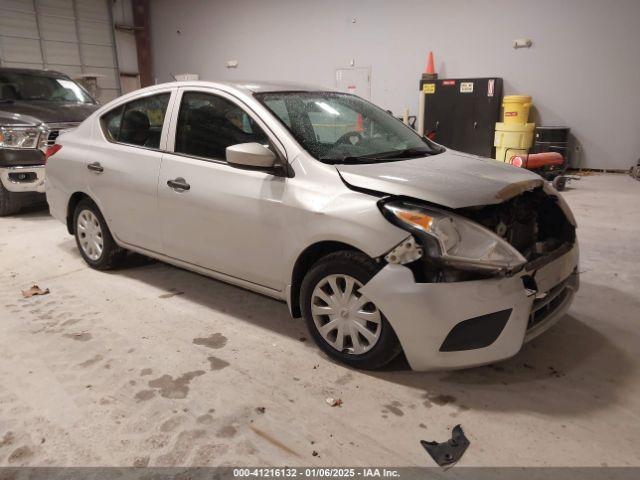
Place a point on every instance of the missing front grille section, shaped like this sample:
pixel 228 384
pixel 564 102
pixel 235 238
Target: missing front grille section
pixel 554 299
pixel 532 222
pixel 477 332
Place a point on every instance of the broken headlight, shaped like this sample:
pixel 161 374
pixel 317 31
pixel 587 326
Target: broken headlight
pixel 454 240
pixel 21 137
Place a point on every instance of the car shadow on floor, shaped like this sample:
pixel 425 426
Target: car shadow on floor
pixel 570 369
pixel 215 295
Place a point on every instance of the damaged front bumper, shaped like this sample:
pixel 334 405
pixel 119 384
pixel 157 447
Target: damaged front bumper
pixel 465 324
pixel 18 179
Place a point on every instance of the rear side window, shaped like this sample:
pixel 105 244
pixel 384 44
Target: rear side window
pixel 138 122
pixel 208 124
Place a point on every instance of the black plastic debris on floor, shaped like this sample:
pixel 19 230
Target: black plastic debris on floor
pixel 449 452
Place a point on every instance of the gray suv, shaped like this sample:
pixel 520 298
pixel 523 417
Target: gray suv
pixel 35 105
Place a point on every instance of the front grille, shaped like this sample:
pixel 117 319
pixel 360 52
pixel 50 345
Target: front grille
pixel 56 129
pixel 544 307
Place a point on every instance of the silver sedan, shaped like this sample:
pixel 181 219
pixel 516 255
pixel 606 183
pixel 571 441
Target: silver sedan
pixel 383 241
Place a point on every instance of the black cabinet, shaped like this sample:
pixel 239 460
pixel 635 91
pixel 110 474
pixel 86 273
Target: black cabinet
pixel 462 113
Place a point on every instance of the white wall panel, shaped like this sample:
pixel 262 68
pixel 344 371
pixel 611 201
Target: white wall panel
pixel 18 24
pixel 61 8
pixel 127 52
pixel 95 32
pixel 107 77
pixel 123 12
pixel 20 5
pixel 22 65
pixel 61 53
pixel 93 10
pixel 20 50
pixel 57 28
pixel 97 55
pixel 106 95
pixel 73 71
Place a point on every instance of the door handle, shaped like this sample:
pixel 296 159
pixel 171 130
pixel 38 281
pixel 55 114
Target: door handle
pixel 179 184
pixel 95 167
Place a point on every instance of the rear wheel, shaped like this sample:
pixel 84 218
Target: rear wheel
pixel 344 323
pixel 93 237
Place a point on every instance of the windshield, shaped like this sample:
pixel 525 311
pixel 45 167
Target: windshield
pixel 33 87
pixel 341 128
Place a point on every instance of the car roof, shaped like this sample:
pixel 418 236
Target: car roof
pixel 248 86
pixel 33 71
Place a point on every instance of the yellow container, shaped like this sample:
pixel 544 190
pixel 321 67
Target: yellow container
pixel 511 140
pixel 516 108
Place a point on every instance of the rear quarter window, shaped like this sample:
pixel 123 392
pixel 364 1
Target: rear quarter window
pixel 138 122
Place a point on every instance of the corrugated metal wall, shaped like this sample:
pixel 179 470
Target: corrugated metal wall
pixel 72 36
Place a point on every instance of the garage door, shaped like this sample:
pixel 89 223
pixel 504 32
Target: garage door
pixel 71 36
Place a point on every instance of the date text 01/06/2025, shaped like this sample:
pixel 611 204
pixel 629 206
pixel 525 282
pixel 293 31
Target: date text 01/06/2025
pixel 292 472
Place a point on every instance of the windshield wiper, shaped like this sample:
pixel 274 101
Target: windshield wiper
pixel 412 152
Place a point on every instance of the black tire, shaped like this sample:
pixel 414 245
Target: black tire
pixel 362 268
pixel 112 255
pixel 9 202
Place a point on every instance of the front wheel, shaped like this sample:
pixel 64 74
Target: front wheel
pixel 93 237
pixel 9 202
pixel 344 323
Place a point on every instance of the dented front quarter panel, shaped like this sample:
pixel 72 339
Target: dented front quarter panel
pixel 322 208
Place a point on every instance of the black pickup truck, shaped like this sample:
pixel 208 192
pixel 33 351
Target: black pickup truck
pixel 35 106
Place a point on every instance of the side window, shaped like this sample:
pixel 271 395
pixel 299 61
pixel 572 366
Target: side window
pixel 111 123
pixel 208 124
pixel 138 122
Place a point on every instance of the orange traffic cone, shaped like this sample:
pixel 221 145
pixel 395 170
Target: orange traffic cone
pixel 359 124
pixel 430 71
pixel 430 67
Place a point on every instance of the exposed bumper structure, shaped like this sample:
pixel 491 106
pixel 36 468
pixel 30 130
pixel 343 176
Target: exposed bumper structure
pixel 499 313
pixel 23 178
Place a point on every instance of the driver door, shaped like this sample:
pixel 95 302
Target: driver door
pixel 223 218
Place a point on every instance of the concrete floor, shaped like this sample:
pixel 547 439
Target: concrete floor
pixel 155 365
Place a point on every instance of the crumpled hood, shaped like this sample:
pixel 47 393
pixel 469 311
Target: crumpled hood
pixel 451 179
pixel 36 112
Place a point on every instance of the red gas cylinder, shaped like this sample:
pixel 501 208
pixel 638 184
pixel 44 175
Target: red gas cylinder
pixel 537 160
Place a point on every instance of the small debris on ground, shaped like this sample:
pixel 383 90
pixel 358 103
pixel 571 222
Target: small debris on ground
pixel 449 452
pixel 303 339
pixel 334 402
pixel 555 373
pixel 260 410
pixel 314 453
pixel 34 290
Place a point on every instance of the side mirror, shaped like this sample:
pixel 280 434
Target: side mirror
pixel 250 155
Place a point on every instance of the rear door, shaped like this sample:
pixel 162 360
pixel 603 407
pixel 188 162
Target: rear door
pixel 124 169
pixel 229 220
